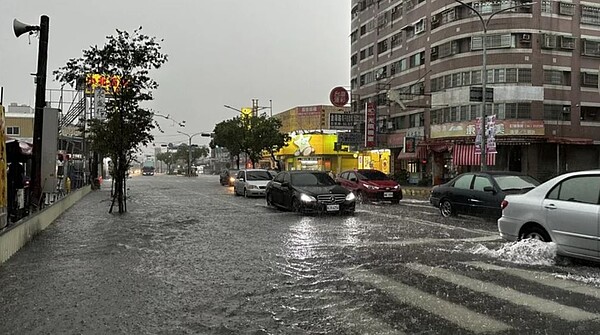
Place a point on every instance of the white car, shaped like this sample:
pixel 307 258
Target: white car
pixel 564 210
pixel 251 182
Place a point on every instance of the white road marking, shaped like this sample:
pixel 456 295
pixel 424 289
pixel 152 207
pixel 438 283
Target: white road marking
pixel 428 223
pixel 459 315
pixel 417 241
pixel 543 278
pixel 507 294
pixel 356 320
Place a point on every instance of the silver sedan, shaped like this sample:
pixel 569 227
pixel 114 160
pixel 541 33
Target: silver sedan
pixel 564 210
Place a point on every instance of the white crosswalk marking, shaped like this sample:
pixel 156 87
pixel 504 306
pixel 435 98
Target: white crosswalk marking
pixel 459 315
pixel 358 321
pixel 542 278
pixel 504 293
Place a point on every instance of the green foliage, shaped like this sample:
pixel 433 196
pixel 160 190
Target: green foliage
pixel 197 152
pixel 129 57
pixel 253 136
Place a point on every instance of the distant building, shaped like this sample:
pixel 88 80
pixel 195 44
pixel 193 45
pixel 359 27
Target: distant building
pixel 19 122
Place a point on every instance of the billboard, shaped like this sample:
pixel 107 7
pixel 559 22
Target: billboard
pixel 501 128
pixel 370 125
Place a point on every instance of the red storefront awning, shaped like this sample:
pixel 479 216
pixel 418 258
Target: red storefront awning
pixel 464 154
pixel 419 154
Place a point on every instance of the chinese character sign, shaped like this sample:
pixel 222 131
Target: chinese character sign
pixel 110 84
pixel 478 135
pixel 491 134
pixel 370 125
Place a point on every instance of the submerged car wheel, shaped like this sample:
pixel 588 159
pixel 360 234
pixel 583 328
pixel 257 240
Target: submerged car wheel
pixel 296 205
pixel 360 197
pixel 536 233
pixel 446 209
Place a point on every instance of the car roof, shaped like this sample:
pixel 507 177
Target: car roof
pixel 248 170
pixel 305 171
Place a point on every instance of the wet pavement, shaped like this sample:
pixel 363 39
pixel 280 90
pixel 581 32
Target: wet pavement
pixel 189 257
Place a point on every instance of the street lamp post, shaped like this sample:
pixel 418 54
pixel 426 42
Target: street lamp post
pixel 484 24
pixel 189 162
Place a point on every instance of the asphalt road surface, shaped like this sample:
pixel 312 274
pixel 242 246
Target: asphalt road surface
pixel 189 257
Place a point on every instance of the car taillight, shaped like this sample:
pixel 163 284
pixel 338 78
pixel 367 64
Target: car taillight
pixel 503 204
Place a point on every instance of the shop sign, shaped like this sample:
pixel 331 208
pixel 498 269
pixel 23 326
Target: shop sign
pixel 344 120
pixel 501 128
pixel 370 125
pixel 351 138
pixel 108 83
pixel 395 140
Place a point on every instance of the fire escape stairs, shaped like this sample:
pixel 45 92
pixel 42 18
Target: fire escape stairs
pixel 73 113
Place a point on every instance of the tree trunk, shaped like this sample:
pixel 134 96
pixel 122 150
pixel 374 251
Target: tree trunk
pixel 120 176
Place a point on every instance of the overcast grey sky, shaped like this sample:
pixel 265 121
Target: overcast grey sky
pixel 220 51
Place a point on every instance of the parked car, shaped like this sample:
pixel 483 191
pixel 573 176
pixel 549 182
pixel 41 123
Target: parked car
pixel 370 184
pixel 479 193
pixel 564 210
pixel 227 177
pixel 251 182
pixel 309 192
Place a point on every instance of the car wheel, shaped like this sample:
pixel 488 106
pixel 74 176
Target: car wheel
pixel 296 205
pixel 269 198
pixel 360 198
pixel 536 233
pixel 446 209
pixel 235 192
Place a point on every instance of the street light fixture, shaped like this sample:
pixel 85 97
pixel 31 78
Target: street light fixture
pixel 484 24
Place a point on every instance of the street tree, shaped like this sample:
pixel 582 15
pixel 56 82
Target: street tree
pixel 251 135
pixel 230 134
pixel 168 158
pixel 123 65
pixel 197 152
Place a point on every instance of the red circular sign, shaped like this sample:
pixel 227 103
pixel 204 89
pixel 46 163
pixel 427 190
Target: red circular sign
pixel 339 96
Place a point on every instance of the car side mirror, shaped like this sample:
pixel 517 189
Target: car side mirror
pixel 489 189
pixel 285 184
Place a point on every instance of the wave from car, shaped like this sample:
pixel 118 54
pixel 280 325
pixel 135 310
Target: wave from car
pixel 309 192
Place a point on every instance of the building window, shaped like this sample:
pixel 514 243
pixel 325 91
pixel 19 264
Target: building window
pixel 396 40
pixel 370 51
pixel 382 46
pixel 449 15
pixel 566 9
pixel 591 48
pixel 363 29
pixel 524 76
pixel 590 15
pixel 415 120
pixel 363 54
pixel 397 12
pixel 557 112
pixel 554 77
pixel 590 113
pixel 547 6
pixel 13 131
pixel 589 80
pixel 420 26
pixel 493 42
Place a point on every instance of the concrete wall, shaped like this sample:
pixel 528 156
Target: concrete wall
pixel 17 236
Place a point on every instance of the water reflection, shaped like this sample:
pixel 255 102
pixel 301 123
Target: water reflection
pixel 302 240
pixel 352 231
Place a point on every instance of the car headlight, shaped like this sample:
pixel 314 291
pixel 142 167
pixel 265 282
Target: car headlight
pixel 307 198
pixel 370 187
pixel 231 179
pixel 350 196
pixel 396 187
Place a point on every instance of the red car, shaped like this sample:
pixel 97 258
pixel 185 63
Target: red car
pixel 371 185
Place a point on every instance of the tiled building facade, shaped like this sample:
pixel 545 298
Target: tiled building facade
pixel 542 62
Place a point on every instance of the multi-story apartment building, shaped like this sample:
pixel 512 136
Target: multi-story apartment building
pixel 541 60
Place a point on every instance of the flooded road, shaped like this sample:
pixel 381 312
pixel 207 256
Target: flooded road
pixel 191 258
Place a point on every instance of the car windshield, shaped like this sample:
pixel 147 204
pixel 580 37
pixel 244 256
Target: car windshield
pixel 515 183
pixel 373 175
pixel 312 179
pixel 258 175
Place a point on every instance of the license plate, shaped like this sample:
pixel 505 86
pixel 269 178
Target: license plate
pixel 331 208
pixel 388 194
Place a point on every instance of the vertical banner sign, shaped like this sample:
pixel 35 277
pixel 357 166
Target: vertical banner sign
pixel 370 124
pixel 3 181
pixel 491 134
pixel 478 135
pixel 100 103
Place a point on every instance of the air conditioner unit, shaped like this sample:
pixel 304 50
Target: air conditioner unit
pixel 526 37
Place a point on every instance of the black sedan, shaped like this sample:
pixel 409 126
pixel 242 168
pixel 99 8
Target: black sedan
pixel 309 192
pixel 479 193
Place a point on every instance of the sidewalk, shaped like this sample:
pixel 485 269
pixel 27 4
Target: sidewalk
pixel 416 192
